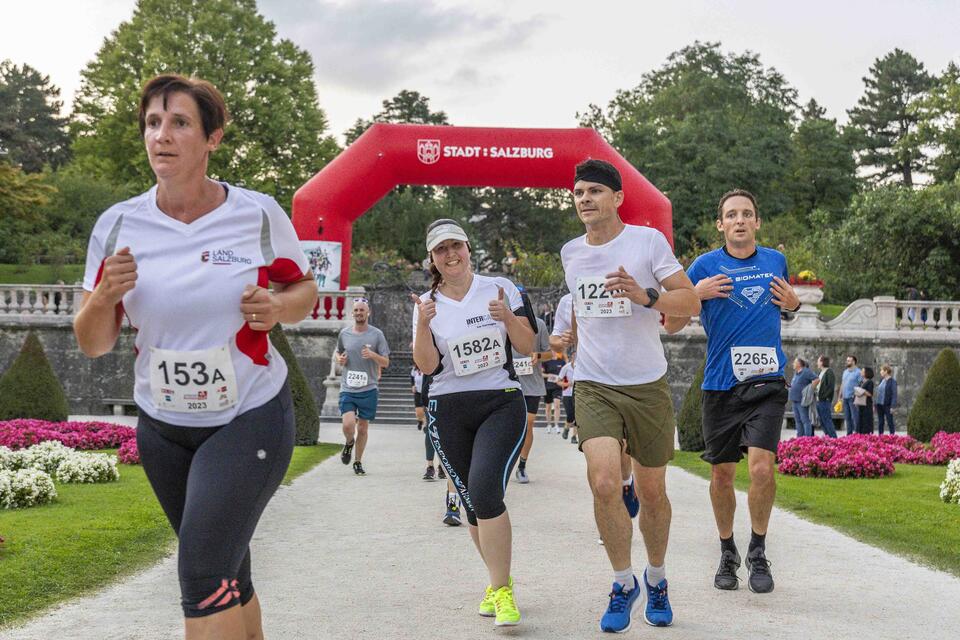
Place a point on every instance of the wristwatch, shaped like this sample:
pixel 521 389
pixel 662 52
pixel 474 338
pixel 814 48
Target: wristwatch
pixel 654 295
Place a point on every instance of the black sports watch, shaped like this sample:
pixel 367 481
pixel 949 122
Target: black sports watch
pixel 654 295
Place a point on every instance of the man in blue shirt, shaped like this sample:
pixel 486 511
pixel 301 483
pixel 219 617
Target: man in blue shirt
pixel 743 288
pixel 802 377
pixel 851 379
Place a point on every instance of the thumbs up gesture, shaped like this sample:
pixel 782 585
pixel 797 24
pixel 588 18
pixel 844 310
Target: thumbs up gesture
pixel 426 311
pixel 498 308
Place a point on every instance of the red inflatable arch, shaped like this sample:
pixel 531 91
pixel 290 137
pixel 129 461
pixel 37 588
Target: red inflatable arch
pixel 387 155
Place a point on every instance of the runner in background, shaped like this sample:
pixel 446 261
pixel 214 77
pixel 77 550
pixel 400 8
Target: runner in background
pixel 551 399
pixel 533 387
pixel 566 383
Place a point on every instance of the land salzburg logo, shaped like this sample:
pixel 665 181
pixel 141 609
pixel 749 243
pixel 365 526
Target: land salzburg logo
pixel 223 256
pixel 430 152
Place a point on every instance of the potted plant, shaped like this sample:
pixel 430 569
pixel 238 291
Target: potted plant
pixel 808 287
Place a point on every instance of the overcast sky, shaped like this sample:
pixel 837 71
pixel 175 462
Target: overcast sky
pixel 523 62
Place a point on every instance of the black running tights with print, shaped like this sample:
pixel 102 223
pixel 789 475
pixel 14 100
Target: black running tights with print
pixel 214 483
pixel 477 436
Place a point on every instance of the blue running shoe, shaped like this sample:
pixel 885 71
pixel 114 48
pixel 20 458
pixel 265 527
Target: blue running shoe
pixel 617 617
pixel 658 612
pixel 631 500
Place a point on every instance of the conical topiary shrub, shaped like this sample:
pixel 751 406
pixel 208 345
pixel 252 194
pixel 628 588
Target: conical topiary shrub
pixel 690 418
pixel 937 406
pixel 304 406
pixel 30 388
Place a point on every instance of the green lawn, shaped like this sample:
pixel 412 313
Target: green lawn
pixel 830 311
pixel 90 536
pixel 901 513
pixel 40 273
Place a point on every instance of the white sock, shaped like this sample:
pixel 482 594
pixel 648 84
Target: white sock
pixel 625 578
pixel 628 481
pixel 656 574
pixel 451 496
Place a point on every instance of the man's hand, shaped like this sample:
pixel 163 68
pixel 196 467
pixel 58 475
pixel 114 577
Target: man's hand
pixel 783 294
pixel 366 353
pixel 718 286
pixel 341 358
pixel 260 309
pixel 624 285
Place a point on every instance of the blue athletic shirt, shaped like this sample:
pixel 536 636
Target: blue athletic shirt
pixel 748 318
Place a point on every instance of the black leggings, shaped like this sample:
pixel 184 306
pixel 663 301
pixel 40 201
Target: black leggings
pixel 214 483
pixel 478 435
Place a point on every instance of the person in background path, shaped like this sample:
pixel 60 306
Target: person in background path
pixel 801 379
pixel 886 399
pixel 825 385
pixel 863 399
pixel 851 378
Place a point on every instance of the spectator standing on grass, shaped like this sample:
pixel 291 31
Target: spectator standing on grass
pixel 886 399
pixel 801 380
pixel 825 384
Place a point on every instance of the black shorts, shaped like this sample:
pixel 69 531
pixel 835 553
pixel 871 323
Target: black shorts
pixel 533 403
pixel 568 407
pixel 553 393
pixel 417 399
pixel 734 421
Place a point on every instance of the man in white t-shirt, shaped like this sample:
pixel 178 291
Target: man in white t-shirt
pixel 616 273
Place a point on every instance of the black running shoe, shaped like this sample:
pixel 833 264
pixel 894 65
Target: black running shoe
pixel 346 453
pixel 726 577
pixel 452 517
pixel 358 469
pixel 428 474
pixel 441 473
pixel 760 580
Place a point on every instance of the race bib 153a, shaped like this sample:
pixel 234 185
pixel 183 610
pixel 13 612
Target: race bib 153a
pixel 192 381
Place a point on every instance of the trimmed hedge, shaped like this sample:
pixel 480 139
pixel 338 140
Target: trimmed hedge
pixel 937 406
pixel 304 406
pixel 30 388
pixel 690 418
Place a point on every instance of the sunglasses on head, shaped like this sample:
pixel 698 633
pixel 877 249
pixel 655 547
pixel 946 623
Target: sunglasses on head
pixel 364 300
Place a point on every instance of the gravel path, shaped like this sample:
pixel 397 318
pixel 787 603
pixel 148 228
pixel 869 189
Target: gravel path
pixel 337 556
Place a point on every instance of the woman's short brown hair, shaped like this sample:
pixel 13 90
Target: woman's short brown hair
pixel 213 109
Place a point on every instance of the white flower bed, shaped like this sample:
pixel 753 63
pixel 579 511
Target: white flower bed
pixel 25 488
pixel 950 488
pixel 88 467
pixel 46 456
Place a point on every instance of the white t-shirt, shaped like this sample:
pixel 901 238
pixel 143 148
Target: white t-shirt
pixel 190 278
pixel 417 376
pixel 561 320
pixel 566 374
pixel 458 319
pixel 621 350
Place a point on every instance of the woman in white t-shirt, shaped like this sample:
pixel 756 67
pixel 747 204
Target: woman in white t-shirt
pixel 463 329
pixel 188 263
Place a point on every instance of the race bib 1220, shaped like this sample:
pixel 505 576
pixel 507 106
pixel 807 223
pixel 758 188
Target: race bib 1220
pixel 592 300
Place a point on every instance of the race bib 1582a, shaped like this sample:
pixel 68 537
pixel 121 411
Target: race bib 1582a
pixel 477 351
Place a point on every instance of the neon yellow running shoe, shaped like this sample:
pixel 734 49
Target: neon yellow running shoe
pixel 507 613
pixel 487 608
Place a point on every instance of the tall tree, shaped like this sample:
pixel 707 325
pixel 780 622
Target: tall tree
pixel 276 139
pixel 939 127
pixel 822 171
pixel 407 107
pixel 22 196
pixel 32 133
pixel 884 119
pixel 703 123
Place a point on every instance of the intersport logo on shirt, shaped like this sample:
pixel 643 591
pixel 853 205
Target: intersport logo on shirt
pixel 223 256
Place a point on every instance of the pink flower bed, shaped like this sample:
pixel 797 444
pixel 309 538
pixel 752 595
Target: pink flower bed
pixel 128 453
pixel 20 434
pixel 862 456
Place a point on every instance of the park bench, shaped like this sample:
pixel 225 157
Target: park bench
pixel 789 421
pixel 118 404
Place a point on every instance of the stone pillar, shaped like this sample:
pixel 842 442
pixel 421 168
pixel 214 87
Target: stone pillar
pixel 331 384
pixel 886 312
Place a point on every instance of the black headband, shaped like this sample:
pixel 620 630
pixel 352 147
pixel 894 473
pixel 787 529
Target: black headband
pixel 596 174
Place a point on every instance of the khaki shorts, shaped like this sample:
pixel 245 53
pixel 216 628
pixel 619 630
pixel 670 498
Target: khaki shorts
pixel 640 414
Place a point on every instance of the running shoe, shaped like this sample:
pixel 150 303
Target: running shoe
pixel 573 440
pixel 522 476
pixel 726 577
pixel 658 612
pixel 441 473
pixel 566 432
pixel 358 469
pixel 760 580
pixel 506 608
pixel 617 617
pixel 630 499
pixel 487 608
pixel 346 453
pixel 452 517
pixel 428 474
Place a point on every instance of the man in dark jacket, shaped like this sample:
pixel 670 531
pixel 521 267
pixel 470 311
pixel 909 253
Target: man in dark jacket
pixel 826 385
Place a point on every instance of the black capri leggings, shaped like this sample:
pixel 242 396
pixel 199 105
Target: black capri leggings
pixel 214 483
pixel 477 436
